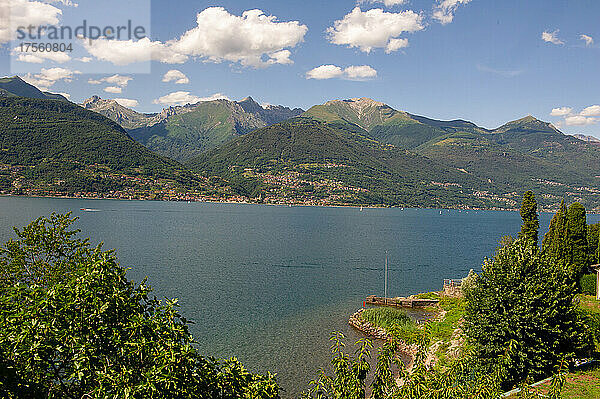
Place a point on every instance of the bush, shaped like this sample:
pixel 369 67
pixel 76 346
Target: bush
pixel 523 295
pixel 588 284
pixel 73 325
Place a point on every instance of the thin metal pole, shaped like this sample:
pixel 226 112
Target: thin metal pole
pixel 386 276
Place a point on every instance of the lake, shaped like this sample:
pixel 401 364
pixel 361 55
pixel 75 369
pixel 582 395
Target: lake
pixel 268 284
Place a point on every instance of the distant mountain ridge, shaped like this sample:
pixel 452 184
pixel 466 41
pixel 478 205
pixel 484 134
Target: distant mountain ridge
pixel 354 151
pixel 183 132
pixel 49 146
pixel 587 139
pixel 17 87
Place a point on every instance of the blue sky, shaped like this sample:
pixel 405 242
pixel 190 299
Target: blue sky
pixel 481 60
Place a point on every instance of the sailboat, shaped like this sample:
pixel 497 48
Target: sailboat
pixel 361 208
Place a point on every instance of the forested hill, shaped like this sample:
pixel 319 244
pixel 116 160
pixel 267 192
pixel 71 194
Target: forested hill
pixel 59 146
pixel 302 160
pixel 17 87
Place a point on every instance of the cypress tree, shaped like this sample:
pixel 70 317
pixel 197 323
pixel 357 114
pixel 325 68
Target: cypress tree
pixel 577 238
pixel 531 224
pixel 598 252
pixel 555 241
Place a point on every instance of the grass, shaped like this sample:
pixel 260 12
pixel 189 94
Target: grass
pixel 392 320
pixel 581 384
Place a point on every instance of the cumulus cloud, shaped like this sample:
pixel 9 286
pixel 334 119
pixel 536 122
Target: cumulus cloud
pixel 116 83
pixel 387 3
pixel 65 95
pixel 185 97
pixel 561 111
pixel 176 76
pixel 325 72
pixel 354 72
pixel 15 13
pixel 84 59
pixel 444 10
pixel 252 39
pixel 48 77
pixel 39 58
pixel 126 102
pixel 395 45
pixel 589 41
pixel 113 89
pixel 125 52
pixel 552 37
pixel 593 110
pixel 374 29
pixel 578 120
pixel 360 72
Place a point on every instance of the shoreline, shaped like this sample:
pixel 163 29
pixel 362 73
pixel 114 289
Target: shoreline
pixel 293 205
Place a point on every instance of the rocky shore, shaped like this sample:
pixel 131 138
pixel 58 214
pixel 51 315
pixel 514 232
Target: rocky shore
pixel 369 329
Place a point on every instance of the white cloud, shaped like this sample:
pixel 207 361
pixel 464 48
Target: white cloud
pixel 374 28
pixel 387 3
pixel 39 58
pixel 177 76
pixel 562 111
pixel 593 110
pixel 126 102
pixel 125 52
pixel 117 82
pixel 360 72
pixel 354 72
pixel 184 97
pixel 84 59
pixel 113 89
pixel 395 45
pixel 578 120
pixel 67 3
pixel 252 39
pixel 552 37
pixel 325 72
pixel 15 13
pixel 65 95
pixel 48 77
pixel 589 41
pixel 444 10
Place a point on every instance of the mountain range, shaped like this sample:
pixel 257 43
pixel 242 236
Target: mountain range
pixel 355 151
pixel 183 132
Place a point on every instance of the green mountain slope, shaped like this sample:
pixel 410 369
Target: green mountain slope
pixel 336 164
pixel 17 87
pixel 58 146
pixel 184 132
pixel 524 154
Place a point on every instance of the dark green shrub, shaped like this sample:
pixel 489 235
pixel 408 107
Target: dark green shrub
pixel 588 284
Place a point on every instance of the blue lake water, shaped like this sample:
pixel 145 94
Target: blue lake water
pixel 268 284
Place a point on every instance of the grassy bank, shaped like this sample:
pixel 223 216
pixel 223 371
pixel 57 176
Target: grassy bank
pixel 443 330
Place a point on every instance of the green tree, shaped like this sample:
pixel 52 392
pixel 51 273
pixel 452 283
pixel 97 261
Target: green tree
pixel 531 224
pixel 524 295
pixel 598 252
pixel 72 326
pixel 555 241
pixel 460 380
pixel 577 238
